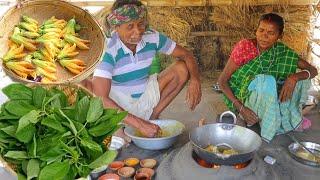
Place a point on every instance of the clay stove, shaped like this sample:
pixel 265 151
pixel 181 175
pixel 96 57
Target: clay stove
pixel 182 164
pixel 205 164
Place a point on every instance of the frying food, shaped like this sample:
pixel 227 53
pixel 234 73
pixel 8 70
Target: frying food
pixel 307 156
pixel 224 151
pixel 212 148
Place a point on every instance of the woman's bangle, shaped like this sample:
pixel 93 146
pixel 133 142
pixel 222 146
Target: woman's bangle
pixel 242 106
pixel 309 74
pixel 233 103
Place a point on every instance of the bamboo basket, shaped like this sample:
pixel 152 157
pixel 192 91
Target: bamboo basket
pixel 44 9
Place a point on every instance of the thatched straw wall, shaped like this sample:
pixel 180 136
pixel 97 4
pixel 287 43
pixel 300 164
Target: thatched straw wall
pixel 211 31
pixel 178 23
pixel 241 22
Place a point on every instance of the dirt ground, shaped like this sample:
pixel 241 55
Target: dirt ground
pixel 210 106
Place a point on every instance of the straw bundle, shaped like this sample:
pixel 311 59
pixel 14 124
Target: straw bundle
pixel 195 16
pixel 177 23
pixel 207 53
pixel 241 22
pixel 166 21
pixel 297 28
pixel 173 22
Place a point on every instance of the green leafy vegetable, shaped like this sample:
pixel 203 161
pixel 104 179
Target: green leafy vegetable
pixel 48 138
pixel 106 158
pixel 18 92
pixel 19 107
pixel 82 109
pixel 51 122
pixel 56 170
pixel 33 168
pixel 16 155
pixel 95 110
pixel 107 126
pixel 38 95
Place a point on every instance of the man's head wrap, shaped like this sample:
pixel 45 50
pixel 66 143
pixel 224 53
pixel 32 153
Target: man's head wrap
pixel 126 14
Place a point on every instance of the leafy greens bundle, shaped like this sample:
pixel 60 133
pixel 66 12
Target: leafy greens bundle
pixel 45 137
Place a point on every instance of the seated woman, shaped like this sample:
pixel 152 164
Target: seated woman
pixel 262 83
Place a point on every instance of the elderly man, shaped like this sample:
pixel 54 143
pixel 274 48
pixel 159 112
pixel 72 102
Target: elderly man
pixel 122 79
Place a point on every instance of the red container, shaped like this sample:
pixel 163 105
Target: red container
pixel 109 176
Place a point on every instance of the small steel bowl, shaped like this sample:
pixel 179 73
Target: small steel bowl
pixel 116 143
pixel 311 100
pixel 295 148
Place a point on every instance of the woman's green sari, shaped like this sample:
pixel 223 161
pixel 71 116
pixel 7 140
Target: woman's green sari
pixel 279 61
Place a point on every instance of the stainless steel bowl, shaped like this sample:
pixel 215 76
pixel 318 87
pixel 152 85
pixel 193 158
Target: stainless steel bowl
pixel 294 148
pixel 172 127
pixel 116 143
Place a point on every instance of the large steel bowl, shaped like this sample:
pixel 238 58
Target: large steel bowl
pixel 173 127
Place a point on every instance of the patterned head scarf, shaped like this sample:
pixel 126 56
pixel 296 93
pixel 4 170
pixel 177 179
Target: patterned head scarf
pixel 126 14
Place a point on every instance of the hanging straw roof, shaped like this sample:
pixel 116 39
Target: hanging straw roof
pixel 212 28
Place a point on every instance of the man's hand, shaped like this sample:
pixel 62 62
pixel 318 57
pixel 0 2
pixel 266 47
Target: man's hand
pixel 288 88
pixel 193 96
pixel 149 129
pixel 146 128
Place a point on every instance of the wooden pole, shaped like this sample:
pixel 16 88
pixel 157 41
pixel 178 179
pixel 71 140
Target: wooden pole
pixel 263 2
pixel 83 3
pixel 211 33
pixel 184 3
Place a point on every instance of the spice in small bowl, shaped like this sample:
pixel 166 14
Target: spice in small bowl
pixel 116 165
pixel 131 162
pixel 109 176
pixel 148 163
pixel 148 171
pixel 126 172
pixel 142 176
